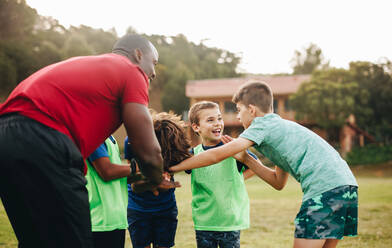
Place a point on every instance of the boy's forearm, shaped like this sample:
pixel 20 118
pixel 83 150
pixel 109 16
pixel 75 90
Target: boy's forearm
pixel 213 156
pixel 201 160
pixel 248 174
pixel 267 174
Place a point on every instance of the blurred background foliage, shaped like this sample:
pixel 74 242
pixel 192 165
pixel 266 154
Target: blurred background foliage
pixel 30 41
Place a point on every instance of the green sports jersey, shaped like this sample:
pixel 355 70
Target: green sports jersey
pixel 219 198
pixel 302 153
pixel 108 200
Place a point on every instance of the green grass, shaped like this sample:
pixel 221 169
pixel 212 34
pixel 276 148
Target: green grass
pixel 273 212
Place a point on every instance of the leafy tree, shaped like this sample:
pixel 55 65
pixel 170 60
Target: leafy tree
pixel 17 19
pixel 329 98
pixel 22 56
pixel 30 42
pixel 309 60
pixel 374 116
pixel 8 74
pixel 174 90
pixel 98 40
pixel 16 56
pixel 183 61
pixel 76 45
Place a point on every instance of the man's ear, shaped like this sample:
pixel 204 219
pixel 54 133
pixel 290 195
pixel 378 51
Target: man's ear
pixel 137 55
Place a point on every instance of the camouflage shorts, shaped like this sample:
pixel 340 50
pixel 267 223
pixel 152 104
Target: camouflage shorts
pixel 331 215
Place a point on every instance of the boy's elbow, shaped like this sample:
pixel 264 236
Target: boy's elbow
pixel 278 187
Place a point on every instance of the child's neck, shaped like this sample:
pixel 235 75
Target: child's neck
pixel 210 143
pixel 262 114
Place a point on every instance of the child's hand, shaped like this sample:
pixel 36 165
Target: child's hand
pixel 241 156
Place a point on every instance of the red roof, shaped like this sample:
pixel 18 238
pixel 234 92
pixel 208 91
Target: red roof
pixel 226 87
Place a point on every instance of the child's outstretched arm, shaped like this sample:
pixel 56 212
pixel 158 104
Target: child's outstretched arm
pixel 213 156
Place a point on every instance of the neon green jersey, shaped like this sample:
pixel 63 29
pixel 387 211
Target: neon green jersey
pixel 108 200
pixel 219 198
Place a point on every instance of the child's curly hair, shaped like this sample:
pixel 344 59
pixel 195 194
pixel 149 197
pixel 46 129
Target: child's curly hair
pixel 170 133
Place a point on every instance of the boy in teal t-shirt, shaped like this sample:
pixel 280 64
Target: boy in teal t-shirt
pixel 220 203
pixel 330 206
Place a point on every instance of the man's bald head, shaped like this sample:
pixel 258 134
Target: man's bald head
pixel 139 51
pixel 128 43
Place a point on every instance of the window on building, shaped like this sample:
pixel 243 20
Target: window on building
pixel 275 106
pixel 230 107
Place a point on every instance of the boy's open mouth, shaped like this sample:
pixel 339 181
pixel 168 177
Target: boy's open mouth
pixel 217 131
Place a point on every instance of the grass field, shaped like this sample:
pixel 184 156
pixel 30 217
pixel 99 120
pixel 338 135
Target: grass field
pixel 273 212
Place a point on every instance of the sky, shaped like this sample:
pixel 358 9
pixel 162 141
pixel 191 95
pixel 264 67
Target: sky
pixel 264 33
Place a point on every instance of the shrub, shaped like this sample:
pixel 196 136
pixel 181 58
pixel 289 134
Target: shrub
pixel 369 154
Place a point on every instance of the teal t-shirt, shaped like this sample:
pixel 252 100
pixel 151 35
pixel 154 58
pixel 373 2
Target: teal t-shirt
pixel 219 198
pixel 315 164
pixel 108 200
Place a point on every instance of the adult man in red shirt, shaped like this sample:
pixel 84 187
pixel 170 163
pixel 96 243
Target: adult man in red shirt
pixel 57 117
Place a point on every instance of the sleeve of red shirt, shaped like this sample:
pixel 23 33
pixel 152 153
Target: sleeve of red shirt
pixel 136 88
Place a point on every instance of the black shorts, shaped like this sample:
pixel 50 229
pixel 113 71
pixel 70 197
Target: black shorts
pixel 112 239
pixel 42 185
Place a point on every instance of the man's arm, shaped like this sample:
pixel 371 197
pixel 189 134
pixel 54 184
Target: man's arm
pixel 214 155
pixel 139 126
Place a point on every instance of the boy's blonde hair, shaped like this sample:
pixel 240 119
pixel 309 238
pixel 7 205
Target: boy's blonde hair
pixel 194 111
pixel 257 93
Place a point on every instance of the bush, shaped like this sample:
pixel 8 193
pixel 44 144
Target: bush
pixel 370 154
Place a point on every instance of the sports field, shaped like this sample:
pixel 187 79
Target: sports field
pixel 273 212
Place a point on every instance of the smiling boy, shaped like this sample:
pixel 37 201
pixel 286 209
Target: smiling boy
pixel 220 203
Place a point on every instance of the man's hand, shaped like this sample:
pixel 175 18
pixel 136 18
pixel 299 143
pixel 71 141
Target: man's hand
pixel 241 156
pixel 134 177
pixel 145 185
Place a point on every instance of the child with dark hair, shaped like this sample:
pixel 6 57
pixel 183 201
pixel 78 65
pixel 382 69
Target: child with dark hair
pixel 152 215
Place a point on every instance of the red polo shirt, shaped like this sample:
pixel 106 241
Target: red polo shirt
pixel 81 97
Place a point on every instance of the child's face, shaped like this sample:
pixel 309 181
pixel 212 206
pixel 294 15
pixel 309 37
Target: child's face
pixel 244 115
pixel 210 127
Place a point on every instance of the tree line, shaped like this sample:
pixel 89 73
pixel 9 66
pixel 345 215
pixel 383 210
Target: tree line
pixel 333 94
pixel 30 41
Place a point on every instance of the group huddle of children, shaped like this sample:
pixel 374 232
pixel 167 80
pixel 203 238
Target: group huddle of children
pixel 218 168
